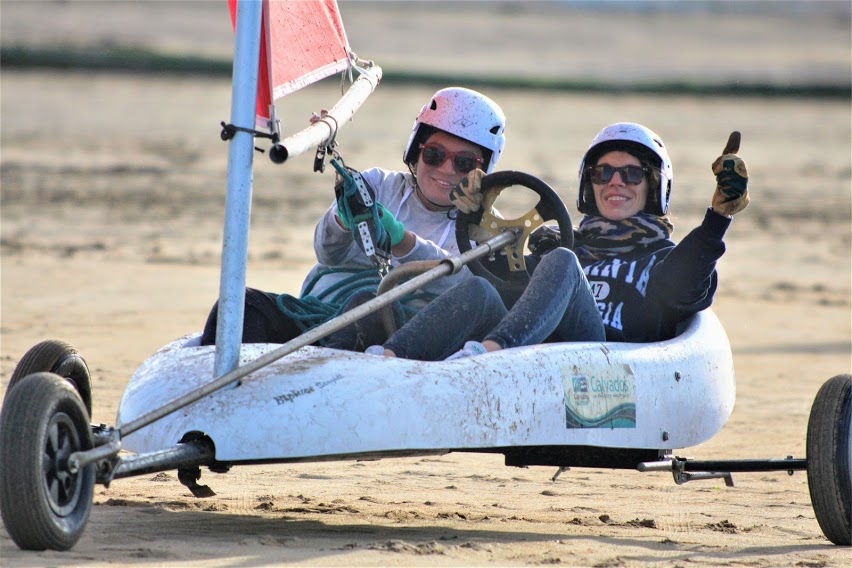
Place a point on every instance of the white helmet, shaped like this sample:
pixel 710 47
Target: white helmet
pixel 464 113
pixel 634 139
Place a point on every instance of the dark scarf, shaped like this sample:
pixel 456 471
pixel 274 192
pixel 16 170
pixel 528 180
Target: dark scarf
pixel 601 238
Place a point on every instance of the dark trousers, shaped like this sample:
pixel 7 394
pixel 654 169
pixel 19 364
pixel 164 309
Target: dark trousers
pixel 263 322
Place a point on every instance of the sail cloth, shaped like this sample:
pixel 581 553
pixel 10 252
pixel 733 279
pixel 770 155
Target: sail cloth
pixel 301 42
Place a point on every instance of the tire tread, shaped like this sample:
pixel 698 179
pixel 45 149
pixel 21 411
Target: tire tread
pixel 829 476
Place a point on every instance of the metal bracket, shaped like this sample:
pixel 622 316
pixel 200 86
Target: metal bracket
pixel 366 239
pixel 682 477
pixel 319 158
pixel 328 145
pixel 230 130
pixel 362 189
pixel 678 468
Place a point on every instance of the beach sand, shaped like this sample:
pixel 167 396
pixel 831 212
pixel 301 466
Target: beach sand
pixel 112 202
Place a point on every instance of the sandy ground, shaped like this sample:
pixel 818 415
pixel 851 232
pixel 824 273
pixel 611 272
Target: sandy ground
pixel 112 198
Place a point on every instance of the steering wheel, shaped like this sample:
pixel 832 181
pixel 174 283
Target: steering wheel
pixel 484 224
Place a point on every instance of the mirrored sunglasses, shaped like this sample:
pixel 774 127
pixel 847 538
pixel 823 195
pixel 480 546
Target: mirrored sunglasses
pixel 435 156
pixel 602 173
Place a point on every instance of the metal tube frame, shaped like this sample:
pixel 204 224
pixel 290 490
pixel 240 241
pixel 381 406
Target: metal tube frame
pixel 238 197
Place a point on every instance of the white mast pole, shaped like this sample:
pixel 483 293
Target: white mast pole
pixel 229 330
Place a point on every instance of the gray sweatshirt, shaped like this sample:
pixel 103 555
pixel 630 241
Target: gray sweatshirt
pixel 435 232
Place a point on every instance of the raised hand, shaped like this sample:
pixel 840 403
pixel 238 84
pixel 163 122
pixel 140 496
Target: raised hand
pixel 467 195
pixel 731 194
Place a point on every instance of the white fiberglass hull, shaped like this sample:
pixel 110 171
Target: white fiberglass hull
pixel 319 403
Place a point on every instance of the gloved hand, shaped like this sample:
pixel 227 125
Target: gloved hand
pixel 467 195
pixel 392 225
pixel 731 195
pixel 345 219
pixel 353 209
pixel 544 239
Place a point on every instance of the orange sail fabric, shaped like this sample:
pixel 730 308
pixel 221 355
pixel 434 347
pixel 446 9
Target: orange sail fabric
pixel 301 42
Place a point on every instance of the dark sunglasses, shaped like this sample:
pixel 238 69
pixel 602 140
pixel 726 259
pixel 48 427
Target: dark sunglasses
pixel 435 156
pixel 602 173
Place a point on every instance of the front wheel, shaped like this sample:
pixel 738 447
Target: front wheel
pixel 829 456
pixel 42 503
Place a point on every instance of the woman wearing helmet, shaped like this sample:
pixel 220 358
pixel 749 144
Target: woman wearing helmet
pixel 457 131
pixel 640 283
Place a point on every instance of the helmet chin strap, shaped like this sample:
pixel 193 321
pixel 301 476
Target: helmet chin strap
pixel 422 196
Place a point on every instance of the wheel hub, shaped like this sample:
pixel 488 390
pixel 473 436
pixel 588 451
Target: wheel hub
pixel 61 486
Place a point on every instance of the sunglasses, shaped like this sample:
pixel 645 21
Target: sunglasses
pixel 435 156
pixel 631 175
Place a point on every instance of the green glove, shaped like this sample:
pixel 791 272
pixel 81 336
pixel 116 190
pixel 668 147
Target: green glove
pixel 351 207
pixel 394 228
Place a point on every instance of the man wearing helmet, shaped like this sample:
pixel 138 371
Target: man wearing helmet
pixel 456 132
pixel 640 284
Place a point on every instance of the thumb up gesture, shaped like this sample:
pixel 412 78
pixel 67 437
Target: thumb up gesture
pixel 731 195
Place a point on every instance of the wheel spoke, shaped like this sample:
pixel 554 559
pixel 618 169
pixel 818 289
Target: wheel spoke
pixel 63 481
pixel 65 444
pixel 53 490
pixel 53 439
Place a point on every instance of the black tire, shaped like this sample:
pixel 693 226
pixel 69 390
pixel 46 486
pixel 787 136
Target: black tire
pixel 829 455
pixel 43 505
pixel 54 356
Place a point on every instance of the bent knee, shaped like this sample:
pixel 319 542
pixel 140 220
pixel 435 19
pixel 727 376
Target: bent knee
pixel 563 258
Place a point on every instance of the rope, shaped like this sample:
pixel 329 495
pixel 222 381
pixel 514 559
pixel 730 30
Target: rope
pixel 309 311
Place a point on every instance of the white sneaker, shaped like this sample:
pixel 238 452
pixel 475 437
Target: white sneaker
pixel 375 350
pixel 470 349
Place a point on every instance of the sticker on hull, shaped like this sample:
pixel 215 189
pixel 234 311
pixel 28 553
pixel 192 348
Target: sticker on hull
pixel 603 399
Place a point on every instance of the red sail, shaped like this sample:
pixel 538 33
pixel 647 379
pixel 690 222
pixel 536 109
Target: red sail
pixel 301 42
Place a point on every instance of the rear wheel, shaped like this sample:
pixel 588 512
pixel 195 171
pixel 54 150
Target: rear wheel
pixel 829 456
pixel 42 503
pixel 58 357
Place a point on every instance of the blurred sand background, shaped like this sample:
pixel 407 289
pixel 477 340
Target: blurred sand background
pixel 111 198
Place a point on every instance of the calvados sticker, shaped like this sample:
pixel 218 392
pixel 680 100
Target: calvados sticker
pixel 602 399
